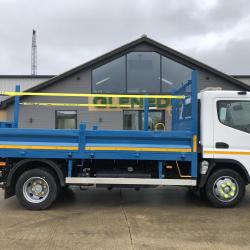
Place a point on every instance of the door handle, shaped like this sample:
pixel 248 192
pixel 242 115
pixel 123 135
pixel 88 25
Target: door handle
pixel 221 145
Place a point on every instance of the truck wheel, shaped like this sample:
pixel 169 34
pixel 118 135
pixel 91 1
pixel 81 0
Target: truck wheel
pixel 36 189
pixel 225 188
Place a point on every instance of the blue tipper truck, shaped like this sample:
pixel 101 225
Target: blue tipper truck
pixel 37 163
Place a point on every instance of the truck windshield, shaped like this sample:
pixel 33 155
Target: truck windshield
pixel 235 114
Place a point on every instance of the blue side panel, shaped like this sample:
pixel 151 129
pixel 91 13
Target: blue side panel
pixel 98 155
pixel 175 145
pixel 182 115
pixel 6 124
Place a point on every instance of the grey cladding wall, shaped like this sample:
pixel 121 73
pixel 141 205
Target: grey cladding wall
pixel 44 117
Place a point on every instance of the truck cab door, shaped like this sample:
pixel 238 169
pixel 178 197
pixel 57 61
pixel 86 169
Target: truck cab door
pixel 232 130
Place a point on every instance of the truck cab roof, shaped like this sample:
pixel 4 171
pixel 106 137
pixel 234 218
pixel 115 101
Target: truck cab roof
pixel 223 94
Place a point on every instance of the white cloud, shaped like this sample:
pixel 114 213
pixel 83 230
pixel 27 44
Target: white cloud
pixel 71 32
pixel 216 40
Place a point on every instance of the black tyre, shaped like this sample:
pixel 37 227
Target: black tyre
pixel 225 188
pixel 36 189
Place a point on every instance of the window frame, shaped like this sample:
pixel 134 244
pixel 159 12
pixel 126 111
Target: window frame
pixel 218 114
pixel 102 64
pixel 174 60
pixel 126 69
pixel 65 110
pixel 160 72
pixel 140 117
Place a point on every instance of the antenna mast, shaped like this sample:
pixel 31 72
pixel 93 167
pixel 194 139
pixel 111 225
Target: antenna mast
pixel 33 54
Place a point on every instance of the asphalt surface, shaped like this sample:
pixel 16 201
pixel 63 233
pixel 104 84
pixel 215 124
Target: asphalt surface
pixel 166 218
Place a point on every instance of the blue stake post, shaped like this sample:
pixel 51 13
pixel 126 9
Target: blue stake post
pixel 16 108
pixel 146 113
pixel 82 137
pixel 194 169
pixel 160 170
pixel 70 165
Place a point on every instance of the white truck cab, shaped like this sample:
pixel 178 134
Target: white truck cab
pixel 225 143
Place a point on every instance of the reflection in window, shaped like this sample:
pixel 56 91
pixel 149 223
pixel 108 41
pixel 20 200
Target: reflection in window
pixel 143 72
pixel 66 119
pixel 140 72
pixel 110 77
pixel 235 114
pixel 173 74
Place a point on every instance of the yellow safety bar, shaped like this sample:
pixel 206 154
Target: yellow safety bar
pixel 8 93
pixel 75 104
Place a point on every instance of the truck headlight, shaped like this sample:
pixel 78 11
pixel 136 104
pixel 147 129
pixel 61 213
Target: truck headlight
pixel 204 167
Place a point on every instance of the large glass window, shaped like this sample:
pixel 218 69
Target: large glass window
pixel 134 120
pixel 66 119
pixel 235 114
pixel 173 74
pixel 110 77
pixel 140 72
pixel 143 72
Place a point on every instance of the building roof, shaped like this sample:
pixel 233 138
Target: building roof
pixel 241 76
pixel 9 82
pixel 126 47
pixel 26 76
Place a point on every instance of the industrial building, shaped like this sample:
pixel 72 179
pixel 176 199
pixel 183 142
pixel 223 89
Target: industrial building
pixel 9 82
pixel 141 66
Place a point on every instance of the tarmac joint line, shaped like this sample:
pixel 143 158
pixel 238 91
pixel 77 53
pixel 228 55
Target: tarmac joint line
pixel 127 222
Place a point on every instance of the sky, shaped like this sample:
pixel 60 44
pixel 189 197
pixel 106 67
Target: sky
pixel 71 32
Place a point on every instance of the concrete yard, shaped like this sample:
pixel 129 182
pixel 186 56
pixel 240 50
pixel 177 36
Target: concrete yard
pixel 166 218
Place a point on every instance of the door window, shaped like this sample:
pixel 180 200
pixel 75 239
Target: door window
pixel 134 120
pixel 131 120
pixel 235 114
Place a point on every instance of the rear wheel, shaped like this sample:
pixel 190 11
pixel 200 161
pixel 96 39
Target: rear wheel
pixel 225 188
pixel 36 189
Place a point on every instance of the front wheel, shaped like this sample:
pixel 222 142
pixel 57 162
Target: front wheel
pixel 36 189
pixel 225 188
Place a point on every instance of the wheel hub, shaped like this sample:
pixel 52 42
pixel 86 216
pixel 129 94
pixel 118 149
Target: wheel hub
pixel 226 189
pixel 36 189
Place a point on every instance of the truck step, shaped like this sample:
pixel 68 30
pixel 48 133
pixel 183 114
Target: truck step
pixel 130 181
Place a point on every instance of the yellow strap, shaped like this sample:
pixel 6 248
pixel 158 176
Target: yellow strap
pixel 91 95
pixel 93 148
pixel 170 150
